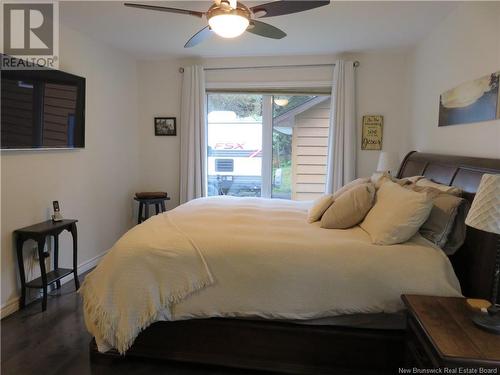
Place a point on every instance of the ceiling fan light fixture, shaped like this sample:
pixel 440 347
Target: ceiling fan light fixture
pixel 228 25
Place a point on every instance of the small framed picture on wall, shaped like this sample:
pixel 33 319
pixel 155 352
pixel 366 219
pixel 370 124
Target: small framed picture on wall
pixel 165 126
pixel 372 132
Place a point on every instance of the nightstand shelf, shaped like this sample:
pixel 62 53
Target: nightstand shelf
pixel 52 277
pixel 440 333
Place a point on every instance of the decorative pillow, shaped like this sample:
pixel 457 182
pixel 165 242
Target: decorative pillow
pixel 397 214
pixel 456 238
pixel 350 208
pixel 443 188
pixel 378 178
pixel 413 179
pixel 445 226
pixel 350 185
pixel 319 207
pixel 430 191
pixel 440 223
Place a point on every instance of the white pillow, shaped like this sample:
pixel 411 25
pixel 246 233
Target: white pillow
pixel 320 205
pixel 350 208
pixel 397 214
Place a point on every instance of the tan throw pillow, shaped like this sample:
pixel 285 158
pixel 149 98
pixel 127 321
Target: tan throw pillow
pixel 379 178
pixel 397 214
pixel 350 208
pixel 442 227
pixel 350 185
pixel 443 188
pixel 319 207
pixel 413 179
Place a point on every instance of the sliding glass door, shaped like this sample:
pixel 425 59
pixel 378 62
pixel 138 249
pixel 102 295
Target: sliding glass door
pixel 267 145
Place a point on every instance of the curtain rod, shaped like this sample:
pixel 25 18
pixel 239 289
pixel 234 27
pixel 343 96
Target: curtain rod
pixel 355 64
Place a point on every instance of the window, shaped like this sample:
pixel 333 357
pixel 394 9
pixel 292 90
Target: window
pixel 234 140
pixel 267 145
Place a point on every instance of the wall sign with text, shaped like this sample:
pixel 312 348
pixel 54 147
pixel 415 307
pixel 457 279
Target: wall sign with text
pixel 372 132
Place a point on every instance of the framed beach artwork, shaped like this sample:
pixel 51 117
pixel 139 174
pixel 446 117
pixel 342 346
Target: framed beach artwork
pixel 473 101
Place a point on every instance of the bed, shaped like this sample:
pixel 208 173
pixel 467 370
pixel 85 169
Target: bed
pixel 321 337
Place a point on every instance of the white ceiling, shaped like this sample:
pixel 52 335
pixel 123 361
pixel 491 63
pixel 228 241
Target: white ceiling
pixel 339 27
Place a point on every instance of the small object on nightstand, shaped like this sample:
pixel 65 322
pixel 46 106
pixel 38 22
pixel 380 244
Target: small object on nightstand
pixel 57 216
pixel 440 334
pixel 477 305
pixel 484 215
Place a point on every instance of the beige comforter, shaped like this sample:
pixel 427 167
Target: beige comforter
pixel 250 257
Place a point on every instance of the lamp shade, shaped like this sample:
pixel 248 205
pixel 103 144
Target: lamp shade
pixel 484 213
pixel 388 162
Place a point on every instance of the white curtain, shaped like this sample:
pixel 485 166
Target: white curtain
pixel 193 135
pixel 341 163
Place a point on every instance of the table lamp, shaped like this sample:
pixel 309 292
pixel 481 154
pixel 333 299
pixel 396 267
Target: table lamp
pixel 388 162
pixel 484 215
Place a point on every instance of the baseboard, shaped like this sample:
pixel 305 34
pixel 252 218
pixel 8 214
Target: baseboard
pixel 12 305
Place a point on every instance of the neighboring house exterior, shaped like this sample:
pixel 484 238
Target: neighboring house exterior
pixel 310 125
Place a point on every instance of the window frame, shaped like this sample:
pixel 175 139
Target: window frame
pixel 267 126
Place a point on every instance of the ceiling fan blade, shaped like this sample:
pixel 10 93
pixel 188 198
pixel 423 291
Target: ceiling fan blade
pixel 280 8
pixel 199 37
pixel 165 9
pixel 266 30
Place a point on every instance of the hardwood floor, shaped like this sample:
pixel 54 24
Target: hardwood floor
pixel 56 342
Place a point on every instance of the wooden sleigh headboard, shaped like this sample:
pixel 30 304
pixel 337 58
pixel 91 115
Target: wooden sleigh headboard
pixel 474 262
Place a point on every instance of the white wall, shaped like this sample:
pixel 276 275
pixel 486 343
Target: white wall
pixel 159 92
pixel 382 84
pixel 382 88
pixel 465 46
pixel 94 185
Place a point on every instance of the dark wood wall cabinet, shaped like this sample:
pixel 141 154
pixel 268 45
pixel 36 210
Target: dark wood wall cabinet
pixel 39 233
pixel 441 334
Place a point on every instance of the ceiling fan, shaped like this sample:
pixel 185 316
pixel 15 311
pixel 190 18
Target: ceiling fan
pixel 230 18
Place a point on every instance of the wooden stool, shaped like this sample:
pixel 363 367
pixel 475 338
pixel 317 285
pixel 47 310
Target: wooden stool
pixel 144 203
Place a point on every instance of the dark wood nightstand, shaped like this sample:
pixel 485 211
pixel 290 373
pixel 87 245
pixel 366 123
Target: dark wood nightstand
pixel 440 333
pixel 38 233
